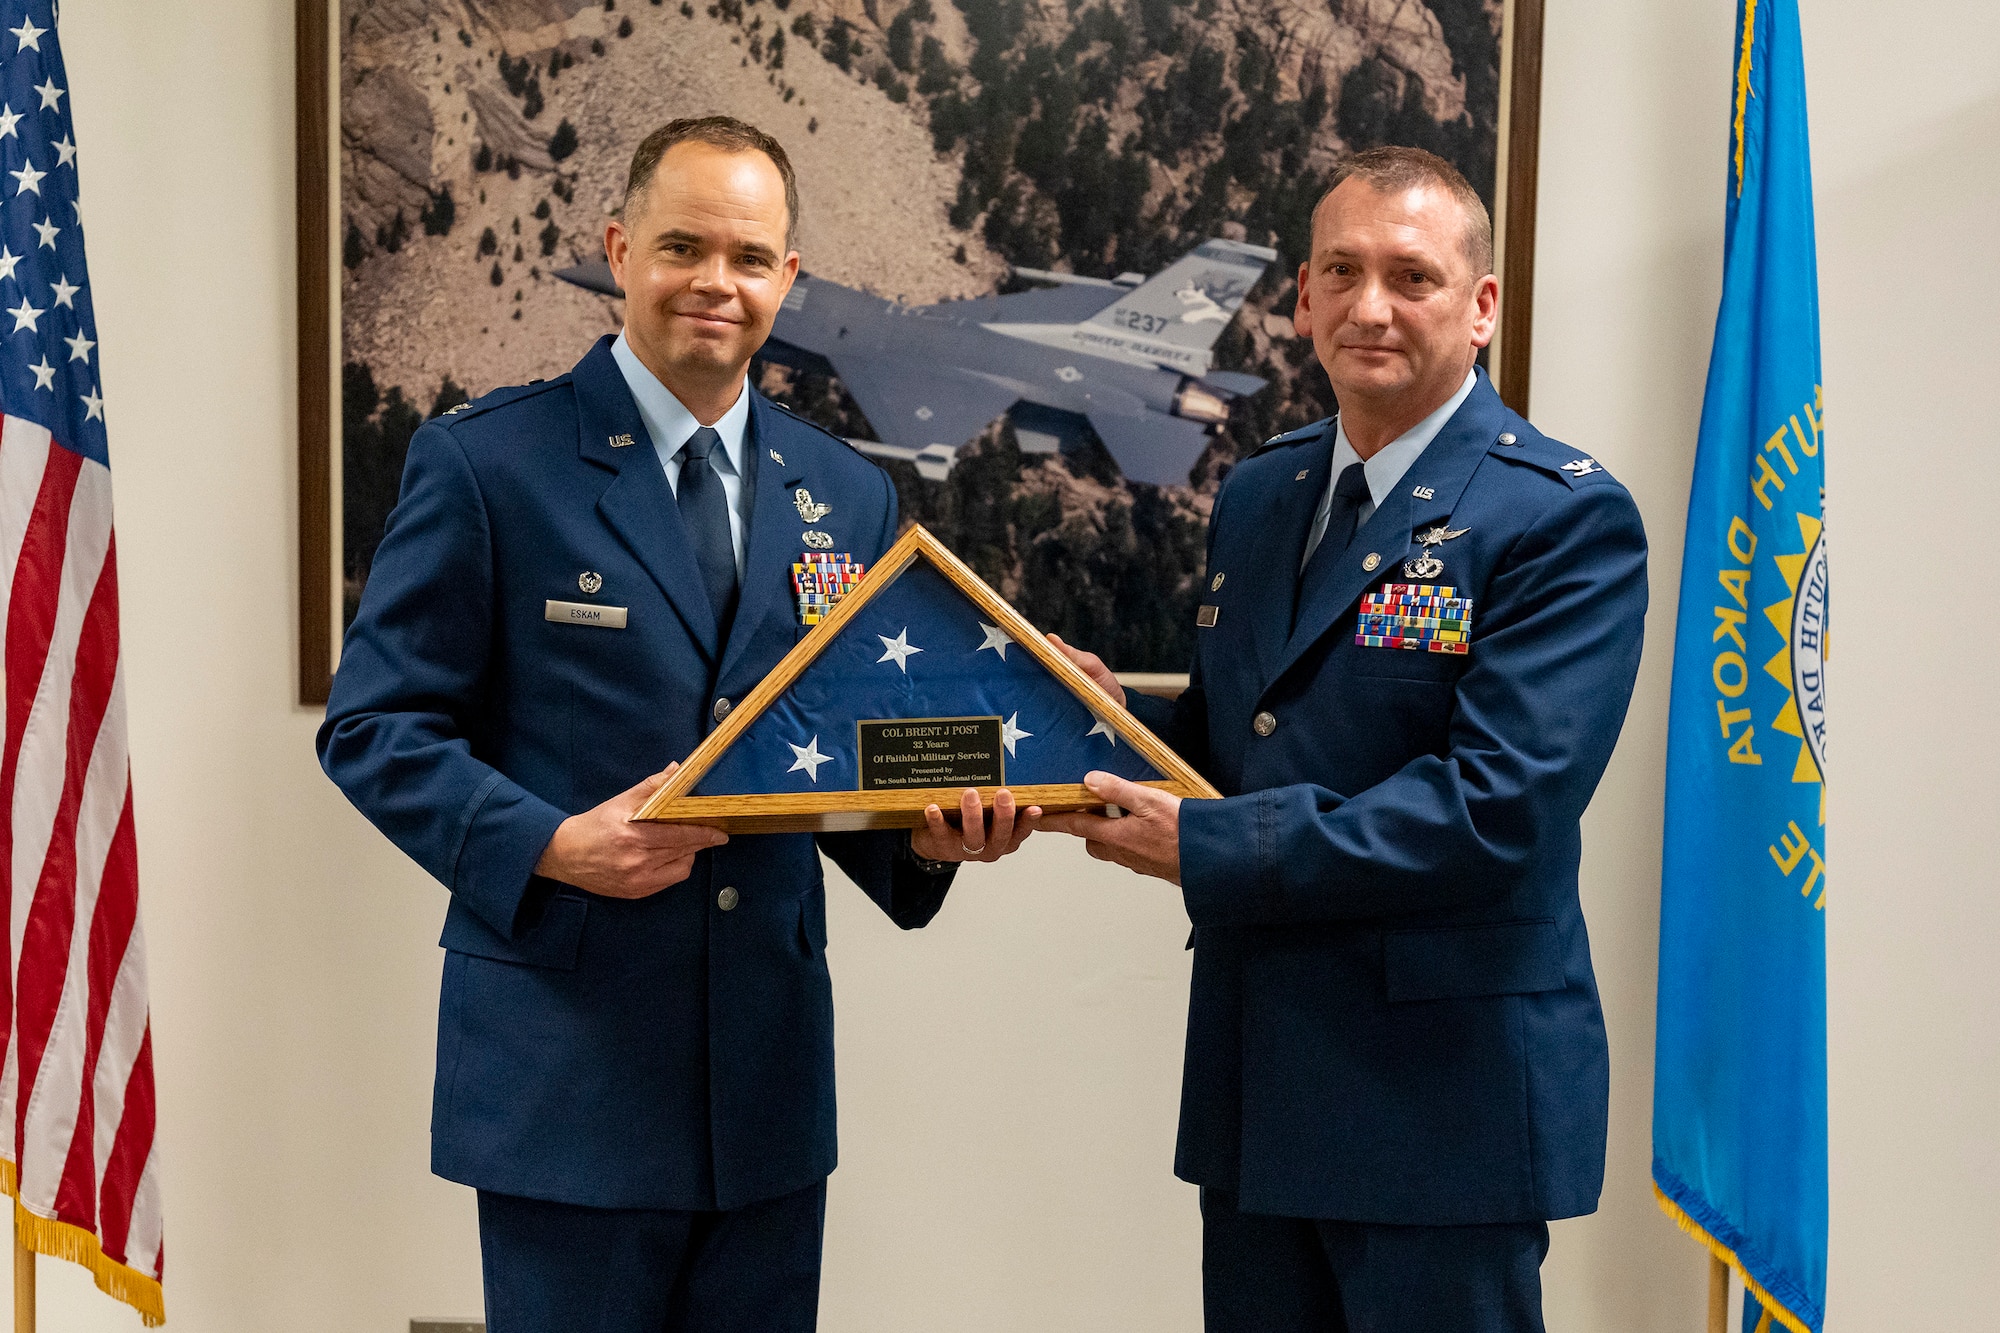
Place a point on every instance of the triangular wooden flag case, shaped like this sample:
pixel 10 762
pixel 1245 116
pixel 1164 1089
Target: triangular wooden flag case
pixel 922 681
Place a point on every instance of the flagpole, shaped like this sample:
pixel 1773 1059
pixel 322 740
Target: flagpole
pixel 24 1286
pixel 1718 1297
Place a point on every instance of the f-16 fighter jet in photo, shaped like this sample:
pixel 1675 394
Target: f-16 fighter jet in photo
pixel 1131 356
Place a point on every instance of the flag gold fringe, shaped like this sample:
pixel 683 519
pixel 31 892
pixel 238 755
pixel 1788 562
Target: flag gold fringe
pixel 46 1235
pixel 1728 1256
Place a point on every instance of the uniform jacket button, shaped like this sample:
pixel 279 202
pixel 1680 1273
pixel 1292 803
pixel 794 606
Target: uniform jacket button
pixel 727 899
pixel 721 709
pixel 1263 724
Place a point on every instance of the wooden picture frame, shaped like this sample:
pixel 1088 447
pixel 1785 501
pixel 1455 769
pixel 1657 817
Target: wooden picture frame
pixel 839 811
pixel 318 353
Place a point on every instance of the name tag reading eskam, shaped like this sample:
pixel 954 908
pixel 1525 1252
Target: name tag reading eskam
pixel 584 613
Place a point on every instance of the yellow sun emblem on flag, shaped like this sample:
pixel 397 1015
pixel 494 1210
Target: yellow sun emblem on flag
pixel 1800 666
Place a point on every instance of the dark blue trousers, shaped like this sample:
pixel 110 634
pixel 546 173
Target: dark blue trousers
pixel 560 1268
pixel 1300 1275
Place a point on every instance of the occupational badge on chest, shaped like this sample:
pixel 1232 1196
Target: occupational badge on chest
pixel 1427 566
pixel 810 510
pixel 819 581
pixel 1426 616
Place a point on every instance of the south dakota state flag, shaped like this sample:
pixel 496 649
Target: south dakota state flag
pixel 1739 1095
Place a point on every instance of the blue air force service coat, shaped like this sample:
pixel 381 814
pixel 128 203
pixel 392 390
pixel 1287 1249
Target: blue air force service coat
pixel 1393 1016
pixel 668 1052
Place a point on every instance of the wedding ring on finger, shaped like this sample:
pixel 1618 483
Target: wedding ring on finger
pixel 972 851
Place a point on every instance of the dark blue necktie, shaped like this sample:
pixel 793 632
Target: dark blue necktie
pixel 705 512
pixel 1350 492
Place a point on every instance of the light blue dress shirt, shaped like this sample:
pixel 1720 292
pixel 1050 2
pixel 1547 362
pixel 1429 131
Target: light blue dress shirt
pixel 1386 468
pixel 670 424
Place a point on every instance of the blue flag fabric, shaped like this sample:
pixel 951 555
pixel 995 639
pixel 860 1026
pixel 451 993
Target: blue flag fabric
pixel 1739 1097
pixel 919 649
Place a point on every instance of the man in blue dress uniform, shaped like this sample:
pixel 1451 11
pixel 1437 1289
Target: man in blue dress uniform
pixel 1419 629
pixel 635 1040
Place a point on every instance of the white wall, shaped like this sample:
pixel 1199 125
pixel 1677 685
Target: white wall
pixel 1009 1076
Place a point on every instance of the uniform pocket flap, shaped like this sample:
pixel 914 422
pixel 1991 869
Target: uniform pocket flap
pixel 1505 958
pixel 552 942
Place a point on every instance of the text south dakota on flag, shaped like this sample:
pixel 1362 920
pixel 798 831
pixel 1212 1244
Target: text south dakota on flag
pixel 1739 1099
pixel 76 1087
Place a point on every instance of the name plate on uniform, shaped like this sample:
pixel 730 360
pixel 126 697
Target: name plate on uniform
pixel 931 752
pixel 584 613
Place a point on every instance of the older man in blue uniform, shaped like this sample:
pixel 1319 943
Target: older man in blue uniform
pixel 1418 634
pixel 635 1043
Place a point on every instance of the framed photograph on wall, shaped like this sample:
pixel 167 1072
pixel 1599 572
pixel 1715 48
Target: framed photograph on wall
pixel 1013 196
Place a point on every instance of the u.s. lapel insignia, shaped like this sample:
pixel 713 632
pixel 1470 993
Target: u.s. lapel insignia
pixel 1582 467
pixel 777 457
pixel 809 511
pixel 1426 567
pixel 620 441
pixel 816 539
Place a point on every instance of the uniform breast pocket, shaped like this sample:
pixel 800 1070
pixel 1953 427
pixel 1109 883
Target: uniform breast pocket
pixel 1405 664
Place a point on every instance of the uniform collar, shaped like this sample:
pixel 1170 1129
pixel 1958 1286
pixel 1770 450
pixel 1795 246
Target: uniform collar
pixel 1392 460
pixel 667 419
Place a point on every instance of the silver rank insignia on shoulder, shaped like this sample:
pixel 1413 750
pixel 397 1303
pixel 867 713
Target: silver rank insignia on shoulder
pixel 452 411
pixel 590 580
pixel 1582 467
pixel 1302 474
pixel 1215 585
pixel 809 511
pixel 777 457
pixel 621 441
pixel 1426 567
pixel 816 539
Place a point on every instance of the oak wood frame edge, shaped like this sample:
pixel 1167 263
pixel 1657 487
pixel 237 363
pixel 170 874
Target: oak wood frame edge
pixel 1524 139
pixel 1182 779
pixel 312 195
pixel 843 811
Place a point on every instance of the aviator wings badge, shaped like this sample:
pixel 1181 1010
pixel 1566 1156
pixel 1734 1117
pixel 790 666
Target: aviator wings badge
pixel 1426 567
pixel 810 512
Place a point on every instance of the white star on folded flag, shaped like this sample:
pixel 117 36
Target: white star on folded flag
pixel 1103 729
pixel 898 650
pixel 996 639
pixel 30 37
pixel 29 178
pixel 1010 732
pixel 809 758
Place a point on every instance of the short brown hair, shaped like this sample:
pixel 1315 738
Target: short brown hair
pixel 1396 168
pixel 724 132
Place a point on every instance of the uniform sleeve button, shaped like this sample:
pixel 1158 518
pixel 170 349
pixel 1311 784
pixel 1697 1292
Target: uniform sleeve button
pixel 1263 724
pixel 727 899
pixel 721 709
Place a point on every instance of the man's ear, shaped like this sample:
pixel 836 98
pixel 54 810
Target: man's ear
pixel 616 249
pixel 1486 317
pixel 1301 312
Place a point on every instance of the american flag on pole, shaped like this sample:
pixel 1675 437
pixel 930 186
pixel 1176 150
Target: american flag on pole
pixel 76 1088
